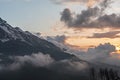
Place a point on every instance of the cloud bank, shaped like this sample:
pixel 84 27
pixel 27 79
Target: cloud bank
pixel 40 60
pixel 111 34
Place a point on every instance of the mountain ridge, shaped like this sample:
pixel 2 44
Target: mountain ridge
pixel 14 41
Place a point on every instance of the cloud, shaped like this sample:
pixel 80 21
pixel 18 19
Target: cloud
pixel 113 59
pixel 38 60
pixel 98 53
pixel 81 20
pixel 88 19
pixel 66 16
pixel 102 55
pixel 58 38
pixel 28 72
pixel 92 17
pixel 111 34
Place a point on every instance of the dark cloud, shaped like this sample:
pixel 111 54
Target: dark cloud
pixel 111 34
pixel 92 17
pixel 81 20
pixel 112 21
pixel 58 38
pixel 105 4
pixel 66 16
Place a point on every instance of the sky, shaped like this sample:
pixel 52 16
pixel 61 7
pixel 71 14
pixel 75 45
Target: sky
pixel 85 23
pixel 31 15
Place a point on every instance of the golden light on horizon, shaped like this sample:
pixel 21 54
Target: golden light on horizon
pixel 118 49
pixel 84 42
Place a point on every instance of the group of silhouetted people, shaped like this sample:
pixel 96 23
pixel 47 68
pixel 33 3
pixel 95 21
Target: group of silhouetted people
pixel 104 74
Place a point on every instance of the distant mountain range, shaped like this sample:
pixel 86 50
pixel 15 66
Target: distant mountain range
pixel 14 41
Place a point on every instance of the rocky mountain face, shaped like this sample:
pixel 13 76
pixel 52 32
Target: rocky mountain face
pixel 14 41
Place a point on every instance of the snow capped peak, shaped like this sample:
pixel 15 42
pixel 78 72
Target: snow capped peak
pixel 10 32
pixel 7 32
pixel 18 42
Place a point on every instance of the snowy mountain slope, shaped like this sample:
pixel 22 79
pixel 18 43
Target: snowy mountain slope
pixel 14 41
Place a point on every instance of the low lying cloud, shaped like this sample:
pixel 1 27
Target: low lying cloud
pixel 70 66
pixel 38 60
pixel 111 34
